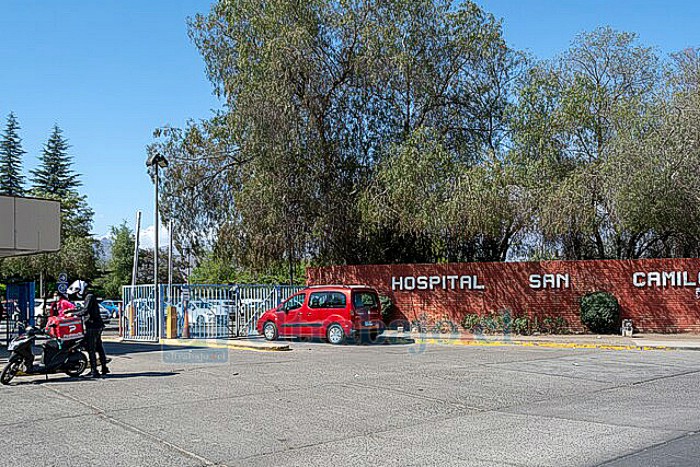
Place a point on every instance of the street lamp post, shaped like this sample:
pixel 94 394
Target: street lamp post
pixel 156 161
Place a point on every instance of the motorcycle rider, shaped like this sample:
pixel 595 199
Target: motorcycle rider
pixel 93 325
pixel 61 305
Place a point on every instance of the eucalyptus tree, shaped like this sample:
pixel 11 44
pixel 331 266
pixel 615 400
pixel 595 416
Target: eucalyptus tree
pixel 572 113
pixel 656 171
pixel 315 95
pixel 287 156
pixel 446 83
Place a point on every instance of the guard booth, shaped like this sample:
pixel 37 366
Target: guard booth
pixel 18 307
pixel 27 226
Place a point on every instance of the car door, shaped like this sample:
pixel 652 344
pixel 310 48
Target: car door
pixel 315 311
pixel 291 316
pixel 366 306
pixel 322 306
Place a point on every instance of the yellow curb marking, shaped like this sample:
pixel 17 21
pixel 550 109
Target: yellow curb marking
pixel 203 343
pixel 554 345
pixel 217 345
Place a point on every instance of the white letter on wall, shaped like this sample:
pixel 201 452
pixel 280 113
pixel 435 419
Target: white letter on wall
pixel 638 279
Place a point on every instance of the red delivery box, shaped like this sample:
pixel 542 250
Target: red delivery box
pixel 66 328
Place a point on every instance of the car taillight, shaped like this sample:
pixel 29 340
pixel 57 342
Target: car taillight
pixel 352 314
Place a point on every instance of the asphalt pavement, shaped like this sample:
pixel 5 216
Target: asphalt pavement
pixel 389 405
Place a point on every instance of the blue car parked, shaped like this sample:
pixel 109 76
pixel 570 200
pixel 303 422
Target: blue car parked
pixel 112 306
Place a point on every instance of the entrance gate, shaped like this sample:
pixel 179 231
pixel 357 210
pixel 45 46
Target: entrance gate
pixel 204 311
pixel 139 320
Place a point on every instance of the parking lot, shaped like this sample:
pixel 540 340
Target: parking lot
pixel 399 404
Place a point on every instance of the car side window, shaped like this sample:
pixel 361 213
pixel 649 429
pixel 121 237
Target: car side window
pixel 295 302
pixel 336 300
pixel 327 300
pixel 317 299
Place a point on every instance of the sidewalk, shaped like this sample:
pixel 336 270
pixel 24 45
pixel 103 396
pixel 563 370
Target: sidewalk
pixel 256 343
pixel 575 341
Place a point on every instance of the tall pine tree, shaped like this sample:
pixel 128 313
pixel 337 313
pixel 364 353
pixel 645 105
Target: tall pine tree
pixel 55 178
pixel 11 152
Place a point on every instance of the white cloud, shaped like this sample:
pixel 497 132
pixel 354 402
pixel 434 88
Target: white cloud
pixel 147 237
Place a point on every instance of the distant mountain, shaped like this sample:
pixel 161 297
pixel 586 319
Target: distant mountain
pixel 104 249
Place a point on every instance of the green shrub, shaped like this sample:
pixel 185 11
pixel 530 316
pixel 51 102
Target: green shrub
pixel 546 325
pixel 561 326
pixel 496 323
pixel 492 324
pixel 552 325
pixel 506 320
pixel 446 326
pixel 471 321
pixel 600 312
pixel 387 307
pixel 522 326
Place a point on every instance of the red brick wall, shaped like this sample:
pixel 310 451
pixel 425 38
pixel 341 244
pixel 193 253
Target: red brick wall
pixel 668 307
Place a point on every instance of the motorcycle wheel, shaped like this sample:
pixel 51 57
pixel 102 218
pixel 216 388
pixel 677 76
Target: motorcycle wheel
pixel 77 368
pixel 9 372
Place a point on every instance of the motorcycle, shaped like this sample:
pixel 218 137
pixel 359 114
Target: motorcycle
pixel 57 356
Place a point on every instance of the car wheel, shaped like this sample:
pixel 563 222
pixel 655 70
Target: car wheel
pixel 335 334
pixel 270 331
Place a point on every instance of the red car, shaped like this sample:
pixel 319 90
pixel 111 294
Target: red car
pixel 333 312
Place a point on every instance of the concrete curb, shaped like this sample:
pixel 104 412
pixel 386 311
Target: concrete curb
pixel 592 341
pixel 210 343
pixel 112 339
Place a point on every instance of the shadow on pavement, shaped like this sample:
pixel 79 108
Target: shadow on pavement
pixel 379 341
pixel 139 374
pixel 118 349
pixel 56 378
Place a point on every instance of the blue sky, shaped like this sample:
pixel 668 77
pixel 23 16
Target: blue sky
pixel 109 72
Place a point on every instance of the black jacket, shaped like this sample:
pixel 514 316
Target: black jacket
pixel 91 312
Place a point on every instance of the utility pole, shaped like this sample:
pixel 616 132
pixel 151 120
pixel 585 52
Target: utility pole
pixel 156 161
pixel 135 268
pixel 170 262
pixel 156 292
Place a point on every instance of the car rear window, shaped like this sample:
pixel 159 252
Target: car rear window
pixel 365 299
pixel 327 300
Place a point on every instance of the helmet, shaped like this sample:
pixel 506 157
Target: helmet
pixel 77 289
